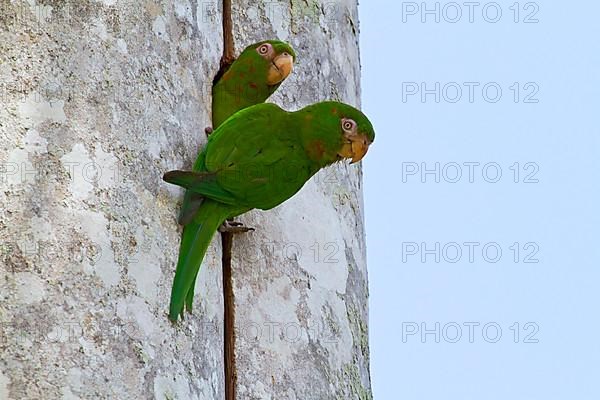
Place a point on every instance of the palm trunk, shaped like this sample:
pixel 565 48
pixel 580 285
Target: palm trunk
pixel 99 99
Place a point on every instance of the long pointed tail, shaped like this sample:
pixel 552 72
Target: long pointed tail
pixel 194 243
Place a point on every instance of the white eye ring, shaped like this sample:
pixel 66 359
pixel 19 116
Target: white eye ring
pixel 348 125
pixel 263 49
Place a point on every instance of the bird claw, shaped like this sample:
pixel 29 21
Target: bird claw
pixel 208 130
pixel 234 227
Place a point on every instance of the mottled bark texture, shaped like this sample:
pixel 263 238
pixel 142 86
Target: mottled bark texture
pixel 99 99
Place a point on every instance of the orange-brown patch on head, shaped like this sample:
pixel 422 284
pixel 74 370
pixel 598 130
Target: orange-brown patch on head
pixel 227 76
pixel 309 117
pixel 316 149
pixel 253 85
pixel 334 111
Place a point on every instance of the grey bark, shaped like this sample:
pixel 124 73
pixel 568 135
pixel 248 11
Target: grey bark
pixel 99 99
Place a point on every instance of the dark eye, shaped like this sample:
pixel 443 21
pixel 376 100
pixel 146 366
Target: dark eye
pixel 348 125
pixel 263 49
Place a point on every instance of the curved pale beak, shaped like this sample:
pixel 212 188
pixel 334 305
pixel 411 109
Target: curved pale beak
pixel 280 68
pixel 355 149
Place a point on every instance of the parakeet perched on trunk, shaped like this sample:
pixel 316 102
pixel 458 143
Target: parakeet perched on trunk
pixel 251 79
pixel 259 158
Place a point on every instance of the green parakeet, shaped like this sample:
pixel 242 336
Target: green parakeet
pixel 259 158
pixel 251 79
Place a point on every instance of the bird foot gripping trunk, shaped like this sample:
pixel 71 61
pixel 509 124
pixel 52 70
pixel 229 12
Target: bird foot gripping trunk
pixel 194 243
pixel 233 227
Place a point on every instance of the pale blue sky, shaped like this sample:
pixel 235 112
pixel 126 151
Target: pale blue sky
pixel 555 61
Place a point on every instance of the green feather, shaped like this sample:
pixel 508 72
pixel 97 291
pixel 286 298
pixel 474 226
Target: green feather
pixel 245 82
pixel 194 243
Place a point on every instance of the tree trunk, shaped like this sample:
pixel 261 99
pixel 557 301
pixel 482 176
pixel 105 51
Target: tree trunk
pixel 99 99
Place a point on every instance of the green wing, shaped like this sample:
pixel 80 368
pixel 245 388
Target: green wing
pixel 202 184
pixel 191 201
pixel 253 160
